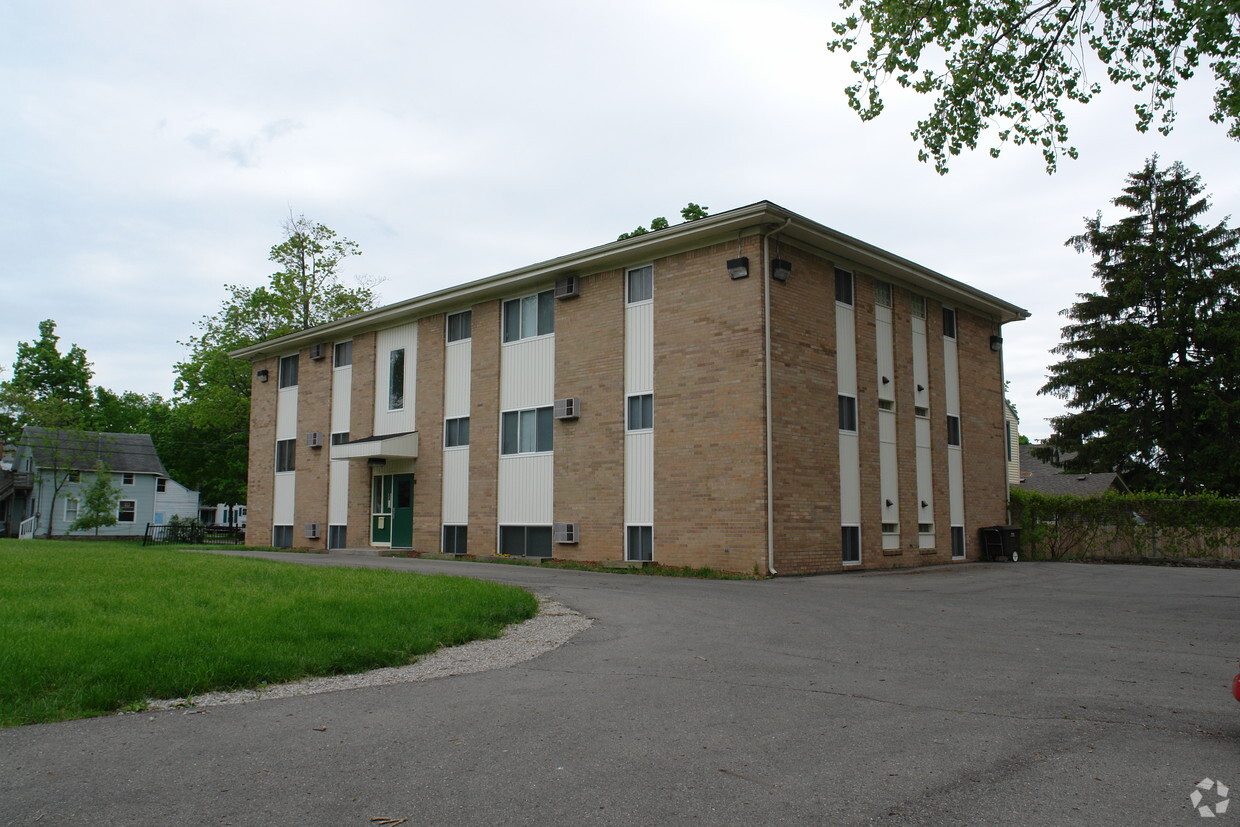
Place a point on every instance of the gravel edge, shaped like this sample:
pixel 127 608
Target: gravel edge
pixel 553 626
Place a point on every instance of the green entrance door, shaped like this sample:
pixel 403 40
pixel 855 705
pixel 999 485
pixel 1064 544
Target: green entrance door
pixel 402 511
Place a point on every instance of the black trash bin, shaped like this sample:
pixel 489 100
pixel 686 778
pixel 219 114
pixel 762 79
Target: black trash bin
pixel 1001 542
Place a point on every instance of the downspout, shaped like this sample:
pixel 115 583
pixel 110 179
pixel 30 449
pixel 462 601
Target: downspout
pixel 766 328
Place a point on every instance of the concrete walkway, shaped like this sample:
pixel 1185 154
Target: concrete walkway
pixel 979 694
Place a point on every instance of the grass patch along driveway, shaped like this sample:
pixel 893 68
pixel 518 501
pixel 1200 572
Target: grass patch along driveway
pixel 91 628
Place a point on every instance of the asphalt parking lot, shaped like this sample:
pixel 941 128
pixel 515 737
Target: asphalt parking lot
pixel 1034 693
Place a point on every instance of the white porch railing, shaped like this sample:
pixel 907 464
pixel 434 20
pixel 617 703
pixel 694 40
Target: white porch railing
pixel 25 531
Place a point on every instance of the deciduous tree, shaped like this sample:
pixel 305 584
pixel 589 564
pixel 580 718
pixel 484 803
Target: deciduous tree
pixel 98 505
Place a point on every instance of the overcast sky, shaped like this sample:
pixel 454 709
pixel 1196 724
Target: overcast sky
pixel 149 152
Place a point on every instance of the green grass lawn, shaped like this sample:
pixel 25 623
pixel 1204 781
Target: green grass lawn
pixel 89 628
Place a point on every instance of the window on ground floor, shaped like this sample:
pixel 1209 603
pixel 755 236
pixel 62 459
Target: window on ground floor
pixel 282 536
pixel 455 539
pixel 71 509
pixel 337 536
pixel 639 543
pixel 525 540
pixel 126 511
pixel 850 544
pixel 957 541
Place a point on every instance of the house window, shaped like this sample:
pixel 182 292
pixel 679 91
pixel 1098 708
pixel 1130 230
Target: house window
pixel 526 432
pixel 459 326
pixel 641 412
pixel 342 354
pixel 282 536
pixel 340 437
pixel 953 430
pixel 337 536
pixel 640 287
pixel 71 509
pixel 456 539
pixel 848 413
pixel 850 544
pixel 919 307
pixel 529 316
pixel 639 543
pixel 286 450
pixel 882 293
pixel 126 479
pixel 288 371
pixel 456 432
pixel 525 540
pixel 396 379
pixel 161 485
pixel 74 476
pixel 957 541
pixel 949 323
pixel 843 286
pixel 126 511
pixel 1007 438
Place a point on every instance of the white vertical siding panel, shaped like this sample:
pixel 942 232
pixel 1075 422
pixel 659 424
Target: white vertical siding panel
pixel 527 373
pixel 282 507
pixel 955 486
pixel 850 479
pixel 639 348
pixel 286 413
pixel 526 489
pixel 888 465
pixel 925 481
pixel 885 340
pixel 639 478
pixel 846 348
pixel 456 485
pixel 402 420
pixel 342 395
pixel 338 492
pixel 457 361
pixel 951 377
pixel 921 365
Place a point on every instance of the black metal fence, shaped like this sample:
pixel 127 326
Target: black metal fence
pixel 195 535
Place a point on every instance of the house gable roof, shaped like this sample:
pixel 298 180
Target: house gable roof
pixel 1045 478
pixel 81 450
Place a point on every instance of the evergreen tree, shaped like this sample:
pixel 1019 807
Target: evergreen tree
pixel 1151 363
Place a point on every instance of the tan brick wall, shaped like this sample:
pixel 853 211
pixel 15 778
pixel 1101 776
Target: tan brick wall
pixel 589 452
pixel 260 486
pixel 709 434
pixel 867 423
pixel 484 428
pixel 428 486
pixel 314 403
pixel 906 433
pixel 361 424
pixel 981 424
pixel 942 551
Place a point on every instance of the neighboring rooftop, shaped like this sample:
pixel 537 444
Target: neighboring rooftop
pixel 1047 478
pixel 81 450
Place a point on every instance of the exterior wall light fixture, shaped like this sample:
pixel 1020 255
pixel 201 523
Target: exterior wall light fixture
pixel 262 375
pixel 738 268
pixel 780 269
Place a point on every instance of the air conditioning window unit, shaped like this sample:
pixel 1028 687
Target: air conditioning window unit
pixel 564 532
pixel 568 287
pixel 313 530
pixel 315 439
pixel 568 408
pixel 318 352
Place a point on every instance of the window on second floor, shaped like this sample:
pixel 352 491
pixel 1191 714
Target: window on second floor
pixel 288 371
pixel 456 432
pixel 286 455
pixel 953 430
pixel 529 316
pixel 848 413
pixel 161 485
pixel 641 412
pixel 396 379
pixel 526 432
pixel 127 479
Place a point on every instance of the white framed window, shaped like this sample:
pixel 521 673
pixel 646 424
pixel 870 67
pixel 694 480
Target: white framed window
pixel 459 325
pixel 529 316
pixel 843 286
pixel 71 509
pixel 953 430
pixel 282 536
pixel 639 284
pixel 127 479
pixel 126 511
pixel 919 306
pixel 925 528
pixel 949 323
pixel 891 528
pixel 850 544
pixel 340 437
pixel 288 371
pixel 74 476
pixel 920 411
pixel 455 539
pixel 337 536
pixel 525 540
pixel 882 293
pixel 286 455
pixel 342 354
pixel 456 432
pixel 640 415
pixel 529 431
pixel 848 413
pixel 396 379
pixel 958 541
pixel 639 543
pixel 161 485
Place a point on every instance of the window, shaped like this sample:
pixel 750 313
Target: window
pixel 529 316
pixel 71 509
pixel 850 544
pixel 458 325
pixel 891 528
pixel 843 286
pixel 882 293
pixel 282 536
pixel 949 323
pixel 641 412
pixel 74 476
pixel 340 437
pixel 288 371
pixel 161 485
pixel 342 354
pixel 526 432
pixel 919 307
pixel 126 511
pixel 886 405
pixel 286 451
pixel 918 410
pixel 525 540
pixel 925 528
pixel 848 413
pixel 337 536
pixel 456 432
pixel 396 379
pixel 639 543
pixel 126 479
pixel 957 541
pixel 456 539
pixel 640 287
pixel 953 430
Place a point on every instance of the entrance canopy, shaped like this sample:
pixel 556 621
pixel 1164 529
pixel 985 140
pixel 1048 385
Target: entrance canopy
pixel 386 446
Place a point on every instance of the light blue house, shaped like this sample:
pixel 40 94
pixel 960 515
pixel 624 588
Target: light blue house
pixel 51 469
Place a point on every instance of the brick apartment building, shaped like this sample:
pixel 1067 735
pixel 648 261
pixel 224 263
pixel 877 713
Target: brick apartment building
pixel 752 391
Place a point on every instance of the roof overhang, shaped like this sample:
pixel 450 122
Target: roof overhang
pixel 388 446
